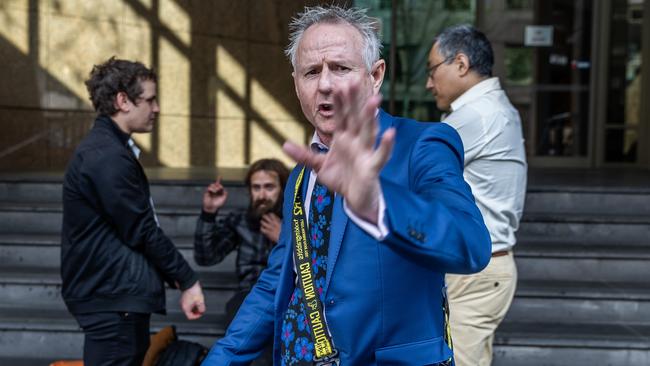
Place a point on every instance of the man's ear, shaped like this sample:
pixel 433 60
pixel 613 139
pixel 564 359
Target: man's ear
pixel 122 102
pixel 377 74
pixel 462 64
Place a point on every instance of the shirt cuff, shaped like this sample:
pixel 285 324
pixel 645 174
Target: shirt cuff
pixel 379 231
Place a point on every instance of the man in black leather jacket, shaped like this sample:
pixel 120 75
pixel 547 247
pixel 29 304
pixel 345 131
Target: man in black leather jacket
pixel 114 256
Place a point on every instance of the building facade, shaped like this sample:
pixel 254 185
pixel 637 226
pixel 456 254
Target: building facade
pixel 571 67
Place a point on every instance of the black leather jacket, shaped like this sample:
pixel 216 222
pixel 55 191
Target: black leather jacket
pixel 114 256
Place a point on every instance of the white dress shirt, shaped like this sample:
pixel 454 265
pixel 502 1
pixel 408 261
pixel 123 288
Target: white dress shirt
pixel 495 158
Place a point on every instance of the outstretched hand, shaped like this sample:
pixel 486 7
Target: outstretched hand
pixel 352 165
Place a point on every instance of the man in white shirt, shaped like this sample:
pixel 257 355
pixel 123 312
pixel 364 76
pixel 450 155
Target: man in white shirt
pixel 460 78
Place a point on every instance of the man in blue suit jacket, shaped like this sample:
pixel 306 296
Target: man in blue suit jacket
pixel 402 215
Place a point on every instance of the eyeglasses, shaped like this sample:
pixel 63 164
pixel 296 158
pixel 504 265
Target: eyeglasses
pixel 431 70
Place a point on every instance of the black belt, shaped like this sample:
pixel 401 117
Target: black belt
pixel 500 253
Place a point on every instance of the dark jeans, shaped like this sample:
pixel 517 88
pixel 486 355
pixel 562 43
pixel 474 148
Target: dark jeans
pixel 114 338
pixel 266 359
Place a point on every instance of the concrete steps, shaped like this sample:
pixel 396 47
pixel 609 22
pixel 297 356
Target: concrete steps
pixel 583 298
pixel 35 326
pixel 571 344
pixel 583 256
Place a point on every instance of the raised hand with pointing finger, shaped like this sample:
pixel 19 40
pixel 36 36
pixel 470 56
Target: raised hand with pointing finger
pixel 214 197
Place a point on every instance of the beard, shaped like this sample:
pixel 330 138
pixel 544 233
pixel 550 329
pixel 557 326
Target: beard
pixel 259 208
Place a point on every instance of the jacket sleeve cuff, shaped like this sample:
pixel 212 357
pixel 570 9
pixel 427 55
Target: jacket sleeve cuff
pixel 208 217
pixel 189 281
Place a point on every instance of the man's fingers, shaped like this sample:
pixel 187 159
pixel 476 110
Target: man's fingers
pixel 368 127
pixel 197 310
pixel 214 188
pixel 200 308
pixel 383 152
pixel 347 103
pixel 302 155
pixel 341 109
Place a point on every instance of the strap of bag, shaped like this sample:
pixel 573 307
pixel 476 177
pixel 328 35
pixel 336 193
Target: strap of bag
pixel 326 353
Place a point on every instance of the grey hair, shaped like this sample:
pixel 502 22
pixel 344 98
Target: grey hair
pixel 332 14
pixel 470 41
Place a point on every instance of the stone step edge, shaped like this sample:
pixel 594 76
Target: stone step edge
pixel 168 210
pixel 194 210
pixel 51 276
pixel 569 336
pixel 237 178
pixel 208 327
pixel 526 247
pixel 581 290
pixel 582 251
pixel 54 239
pixel 583 218
pixel 574 290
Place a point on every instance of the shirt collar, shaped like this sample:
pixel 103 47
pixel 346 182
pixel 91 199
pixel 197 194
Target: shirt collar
pixel 476 92
pixel 317 145
pixel 123 137
pixel 107 121
pixel 134 148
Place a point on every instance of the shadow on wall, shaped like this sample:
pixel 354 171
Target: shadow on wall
pixel 33 135
pixel 43 119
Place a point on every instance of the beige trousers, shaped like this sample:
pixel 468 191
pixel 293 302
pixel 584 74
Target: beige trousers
pixel 477 304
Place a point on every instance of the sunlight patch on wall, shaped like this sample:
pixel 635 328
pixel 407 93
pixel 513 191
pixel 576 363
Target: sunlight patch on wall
pixel 14 26
pixel 174 120
pixel 264 146
pixel 70 48
pixel 174 17
pixel 231 79
pixel 143 140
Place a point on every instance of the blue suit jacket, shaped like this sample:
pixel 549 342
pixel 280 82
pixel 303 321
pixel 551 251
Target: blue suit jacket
pixel 383 299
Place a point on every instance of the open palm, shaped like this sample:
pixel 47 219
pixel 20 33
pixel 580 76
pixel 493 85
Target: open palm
pixel 352 165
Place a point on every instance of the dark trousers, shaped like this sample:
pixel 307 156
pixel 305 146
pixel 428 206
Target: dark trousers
pixel 266 359
pixel 114 338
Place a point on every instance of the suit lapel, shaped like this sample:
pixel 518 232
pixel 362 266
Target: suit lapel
pixel 339 222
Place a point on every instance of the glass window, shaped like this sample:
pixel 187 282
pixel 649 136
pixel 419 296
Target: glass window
pixel 543 57
pixel 519 65
pixel 457 5
pixel 624 79
pixel 518 4
pixel 418 21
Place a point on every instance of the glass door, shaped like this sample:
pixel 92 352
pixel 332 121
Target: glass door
pixel 624 139
pixel 544 57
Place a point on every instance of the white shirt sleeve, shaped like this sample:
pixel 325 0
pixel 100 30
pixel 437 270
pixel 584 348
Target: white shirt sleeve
pixel 379 231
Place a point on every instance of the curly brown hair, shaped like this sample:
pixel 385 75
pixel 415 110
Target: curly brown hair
pixel 114 76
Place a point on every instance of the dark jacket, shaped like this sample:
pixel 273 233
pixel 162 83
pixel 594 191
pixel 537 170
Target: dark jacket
pixel 114 256
pixel 214 240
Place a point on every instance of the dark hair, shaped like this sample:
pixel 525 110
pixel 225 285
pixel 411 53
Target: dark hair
pixel 272 165
pixel 470 41
pixel 114 76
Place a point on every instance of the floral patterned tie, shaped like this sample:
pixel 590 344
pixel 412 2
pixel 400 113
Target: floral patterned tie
pixel 297 346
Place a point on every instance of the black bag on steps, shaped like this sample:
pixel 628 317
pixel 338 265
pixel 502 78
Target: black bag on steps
pixel 182 353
